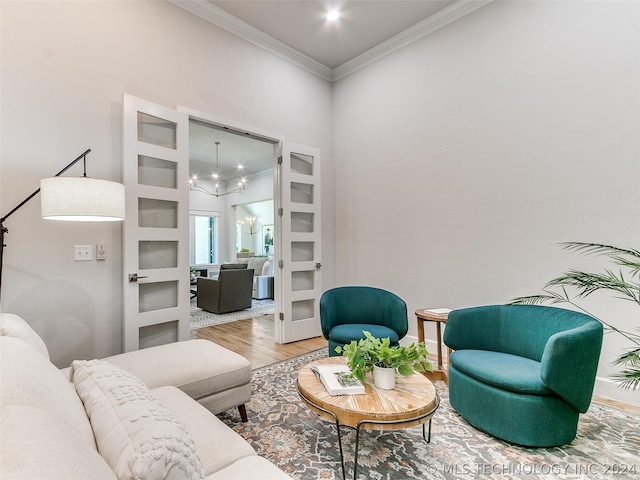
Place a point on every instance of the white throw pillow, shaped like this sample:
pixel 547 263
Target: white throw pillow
pixel 267 268
pixel 138 437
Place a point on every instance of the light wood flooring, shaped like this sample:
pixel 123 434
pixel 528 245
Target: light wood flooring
pixel 253 339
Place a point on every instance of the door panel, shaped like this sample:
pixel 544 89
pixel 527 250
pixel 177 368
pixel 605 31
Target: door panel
pixel 156 255
pixel 300 280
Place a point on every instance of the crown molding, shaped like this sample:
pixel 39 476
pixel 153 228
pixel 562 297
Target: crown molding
pixel 412 34
pixel 222 19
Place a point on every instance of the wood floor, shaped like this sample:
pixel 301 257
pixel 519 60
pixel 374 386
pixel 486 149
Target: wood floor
pixel 253 339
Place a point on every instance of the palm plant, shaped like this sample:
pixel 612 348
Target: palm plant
pixel 626 286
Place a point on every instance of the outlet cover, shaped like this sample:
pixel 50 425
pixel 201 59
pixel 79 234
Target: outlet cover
pixel 83 253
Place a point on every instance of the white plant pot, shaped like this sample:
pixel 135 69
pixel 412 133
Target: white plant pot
pixel 384 378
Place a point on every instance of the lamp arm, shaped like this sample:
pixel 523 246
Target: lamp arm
pixel 4 229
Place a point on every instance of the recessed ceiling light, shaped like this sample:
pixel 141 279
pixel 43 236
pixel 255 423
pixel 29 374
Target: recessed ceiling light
pixel 333 15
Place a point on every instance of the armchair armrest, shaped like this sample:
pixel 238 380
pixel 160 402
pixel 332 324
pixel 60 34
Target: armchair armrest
pixel 208 293
pixel 570 362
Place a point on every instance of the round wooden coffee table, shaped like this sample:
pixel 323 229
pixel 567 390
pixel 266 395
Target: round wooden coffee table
pixel 412 402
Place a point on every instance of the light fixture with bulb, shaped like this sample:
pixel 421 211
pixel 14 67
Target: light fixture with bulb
pixel 251 225
pixel 240 187
pixel 333 15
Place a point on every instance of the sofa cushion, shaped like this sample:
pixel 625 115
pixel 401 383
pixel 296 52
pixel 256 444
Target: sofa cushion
pixel 217 444
pixel 267 268
pixel 216 369
pixel 37 445
pixel 14 326
pixel 256 263
pixel 247 468
pixel 137 436
pixel 501 370
pixel 29 379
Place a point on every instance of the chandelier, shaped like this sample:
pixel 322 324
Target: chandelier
pixel 193 185
pixel 251 224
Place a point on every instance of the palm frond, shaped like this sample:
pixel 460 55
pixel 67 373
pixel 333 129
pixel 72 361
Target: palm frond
pixel 599 248
pixel 583 284
pixel 631 357
pixel 588 283
pixel 629 378
pixel 550 298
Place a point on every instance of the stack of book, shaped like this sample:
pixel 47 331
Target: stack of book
pixel 337 381
pixel 438 312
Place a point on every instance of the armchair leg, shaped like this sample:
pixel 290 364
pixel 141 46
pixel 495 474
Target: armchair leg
pixel 243 413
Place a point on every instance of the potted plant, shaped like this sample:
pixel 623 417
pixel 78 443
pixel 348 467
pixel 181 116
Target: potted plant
pixel 625 283
pixel 376 354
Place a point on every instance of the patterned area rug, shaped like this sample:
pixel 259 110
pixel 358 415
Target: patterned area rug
pixel 201 318
pixel 304 445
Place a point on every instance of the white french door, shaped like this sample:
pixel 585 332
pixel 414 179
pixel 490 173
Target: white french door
pixel 299 283
pixel 156 253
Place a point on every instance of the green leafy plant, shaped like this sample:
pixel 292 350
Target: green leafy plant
pixel 625 282
pixel 363 354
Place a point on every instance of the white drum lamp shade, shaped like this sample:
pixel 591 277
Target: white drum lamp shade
pixel 81 199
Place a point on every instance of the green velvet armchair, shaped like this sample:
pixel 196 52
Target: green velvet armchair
pixel 523 373
pixel 345 312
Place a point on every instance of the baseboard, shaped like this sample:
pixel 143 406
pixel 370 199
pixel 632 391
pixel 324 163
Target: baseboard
pixel 609 392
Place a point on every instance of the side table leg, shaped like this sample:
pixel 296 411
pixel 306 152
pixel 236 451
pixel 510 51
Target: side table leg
pixel 355 455
pixel 344 472
pixel 439 335
pixel 426 438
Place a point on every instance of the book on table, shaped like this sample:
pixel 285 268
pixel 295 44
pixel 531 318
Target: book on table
pixel 336 380
pixel 440 312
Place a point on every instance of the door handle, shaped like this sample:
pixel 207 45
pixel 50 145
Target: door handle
pixel 318 266
pixel 133 277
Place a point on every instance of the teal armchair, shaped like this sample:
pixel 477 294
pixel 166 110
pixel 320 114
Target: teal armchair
pixel 345 312
pixel 523 373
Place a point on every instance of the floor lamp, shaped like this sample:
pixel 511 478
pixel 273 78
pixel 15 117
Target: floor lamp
pixel 80 199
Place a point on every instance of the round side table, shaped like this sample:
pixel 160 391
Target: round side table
pixel 414 401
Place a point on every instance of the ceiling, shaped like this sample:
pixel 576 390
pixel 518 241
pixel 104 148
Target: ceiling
pixel 302 25
pixel 298 31
pixel 234 149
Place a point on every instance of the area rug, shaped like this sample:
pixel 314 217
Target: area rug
pixel 201 318
pixel 304 445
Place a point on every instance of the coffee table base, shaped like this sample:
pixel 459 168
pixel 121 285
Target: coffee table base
pixel 423 419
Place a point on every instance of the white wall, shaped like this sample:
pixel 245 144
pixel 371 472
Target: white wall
pixel 464 159
pixel 65 66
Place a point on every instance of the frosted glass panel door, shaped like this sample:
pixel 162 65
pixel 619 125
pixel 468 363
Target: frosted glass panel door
pixel 156 263
pixel 299 285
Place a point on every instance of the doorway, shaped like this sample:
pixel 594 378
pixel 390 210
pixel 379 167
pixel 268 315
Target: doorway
pixel 156 231
pixel 231 204
pixel 231 175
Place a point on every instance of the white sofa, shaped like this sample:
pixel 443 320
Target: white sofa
pixel 124 418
